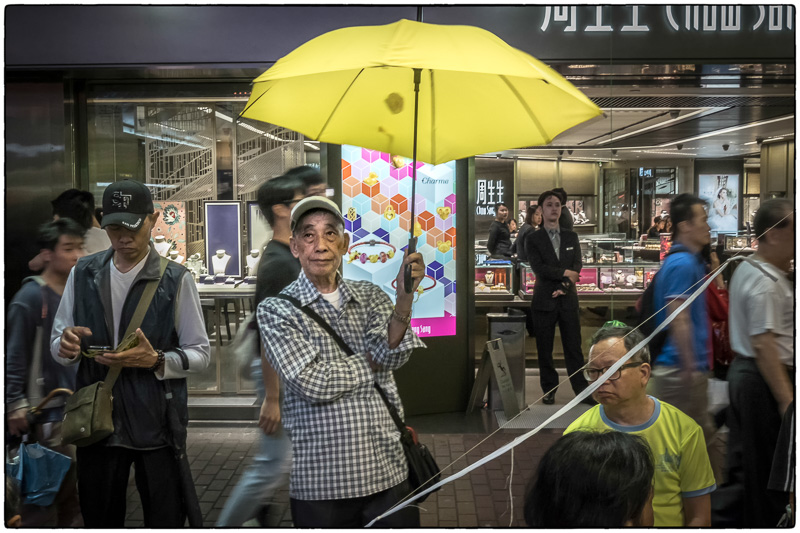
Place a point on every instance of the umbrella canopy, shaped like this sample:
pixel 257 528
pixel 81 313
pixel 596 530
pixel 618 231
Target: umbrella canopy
pixel 477 94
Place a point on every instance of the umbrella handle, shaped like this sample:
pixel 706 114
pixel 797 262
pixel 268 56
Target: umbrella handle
pixel 408 283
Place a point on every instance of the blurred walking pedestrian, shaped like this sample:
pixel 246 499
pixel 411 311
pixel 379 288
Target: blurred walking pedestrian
pixel 761 376
pixel 31 373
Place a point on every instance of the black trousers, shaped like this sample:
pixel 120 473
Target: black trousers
pixel 356 512
pixel 569 323
pixel 754 424
pixel 103 473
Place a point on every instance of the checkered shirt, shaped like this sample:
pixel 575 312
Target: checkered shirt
pixel 345 444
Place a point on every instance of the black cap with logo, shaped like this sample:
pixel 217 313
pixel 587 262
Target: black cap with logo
pixel 126 203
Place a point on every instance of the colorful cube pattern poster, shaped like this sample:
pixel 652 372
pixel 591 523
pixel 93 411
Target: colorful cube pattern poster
pixel 376 203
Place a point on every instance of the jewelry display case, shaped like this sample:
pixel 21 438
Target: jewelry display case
pixel 740 243
pixel 608 249
pixel 526 281
pixel 494 278
pixel 623 278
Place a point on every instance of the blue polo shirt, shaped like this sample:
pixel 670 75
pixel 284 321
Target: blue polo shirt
pixel 679 272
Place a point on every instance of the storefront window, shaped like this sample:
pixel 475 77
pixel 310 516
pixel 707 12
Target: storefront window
pixel 616 213
pixel 188 145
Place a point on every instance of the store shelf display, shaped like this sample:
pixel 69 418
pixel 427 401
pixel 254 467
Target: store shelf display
pixel 587 282
pixel 741 243
pixel 619 279
pixel 494 279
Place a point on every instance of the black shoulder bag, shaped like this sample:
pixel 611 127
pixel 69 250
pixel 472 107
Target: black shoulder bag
pixel 423 472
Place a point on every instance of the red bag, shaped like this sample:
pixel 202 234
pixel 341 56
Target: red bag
pixel 717 304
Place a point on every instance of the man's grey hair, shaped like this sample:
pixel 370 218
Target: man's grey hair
pixel 631 338
pixel 299 225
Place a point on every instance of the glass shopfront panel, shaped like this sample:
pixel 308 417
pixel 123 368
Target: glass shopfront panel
pixel 187 145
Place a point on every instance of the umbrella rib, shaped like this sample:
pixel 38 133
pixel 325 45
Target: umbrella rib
pixel 528 110
pixel 332 113
pixel 253 103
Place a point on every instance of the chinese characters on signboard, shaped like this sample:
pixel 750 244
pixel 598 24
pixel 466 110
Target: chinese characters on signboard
pixel 702 18
pixel 490 192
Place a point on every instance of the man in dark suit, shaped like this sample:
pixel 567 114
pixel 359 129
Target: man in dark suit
pixel 554 254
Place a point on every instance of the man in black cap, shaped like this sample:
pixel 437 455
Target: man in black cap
pixel 99 300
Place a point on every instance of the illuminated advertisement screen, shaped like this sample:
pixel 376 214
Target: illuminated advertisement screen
pixel 721 193
pixel 376 203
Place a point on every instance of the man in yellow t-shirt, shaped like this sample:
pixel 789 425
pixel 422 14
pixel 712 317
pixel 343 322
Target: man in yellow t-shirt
pixel 683 479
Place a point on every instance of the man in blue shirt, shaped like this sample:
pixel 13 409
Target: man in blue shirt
pixel 680 374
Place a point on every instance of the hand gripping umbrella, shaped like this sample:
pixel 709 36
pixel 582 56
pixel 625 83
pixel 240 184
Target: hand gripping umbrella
pixel 472 94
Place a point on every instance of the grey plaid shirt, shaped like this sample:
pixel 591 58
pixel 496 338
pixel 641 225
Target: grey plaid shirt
pixel 345 443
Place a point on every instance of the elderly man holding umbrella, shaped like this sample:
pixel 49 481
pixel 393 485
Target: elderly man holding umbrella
pixel 349 466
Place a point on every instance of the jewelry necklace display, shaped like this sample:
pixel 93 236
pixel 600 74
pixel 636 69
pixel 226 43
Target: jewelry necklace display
pixel 252 262
pixel 362 256
pixel 220 262
pixel 161 244
pixel 174 256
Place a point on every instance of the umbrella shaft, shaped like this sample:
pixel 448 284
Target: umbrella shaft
pixel 417 79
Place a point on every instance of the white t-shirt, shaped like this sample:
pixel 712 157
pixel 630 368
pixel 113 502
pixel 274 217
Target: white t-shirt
pixel 760 303
pixel 120 285
pixel 96 240
pixel 333 298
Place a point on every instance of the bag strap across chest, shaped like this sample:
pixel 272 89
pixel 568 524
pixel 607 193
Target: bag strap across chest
pixel 138 317
pixel 346 349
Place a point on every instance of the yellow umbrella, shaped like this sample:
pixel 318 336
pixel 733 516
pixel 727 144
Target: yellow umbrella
pixel 477 94
pixel 448 91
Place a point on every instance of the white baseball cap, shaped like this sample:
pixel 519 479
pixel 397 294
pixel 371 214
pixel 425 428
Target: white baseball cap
pixel 315 202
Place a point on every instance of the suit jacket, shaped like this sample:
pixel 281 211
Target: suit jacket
pixel 549 268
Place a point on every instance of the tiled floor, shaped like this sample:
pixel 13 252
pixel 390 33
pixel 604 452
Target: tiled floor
pixel 220 452
pixel 219 455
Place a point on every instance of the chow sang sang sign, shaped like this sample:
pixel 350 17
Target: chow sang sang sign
pixel 490 192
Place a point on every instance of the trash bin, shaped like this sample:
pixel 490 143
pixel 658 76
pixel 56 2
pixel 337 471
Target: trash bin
pixel 511 329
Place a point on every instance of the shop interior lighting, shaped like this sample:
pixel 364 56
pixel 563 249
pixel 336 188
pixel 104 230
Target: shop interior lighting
pixel 245 125
pixel 313 146
pixel 727 130
pixel 170 127
pixel 154 185
pixel 128 129
pixel 653 126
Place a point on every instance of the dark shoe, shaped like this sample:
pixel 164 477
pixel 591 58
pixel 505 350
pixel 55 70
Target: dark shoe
pixel 262 515
pixel 549 398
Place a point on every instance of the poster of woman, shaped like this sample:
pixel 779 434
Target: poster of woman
pixel 721 192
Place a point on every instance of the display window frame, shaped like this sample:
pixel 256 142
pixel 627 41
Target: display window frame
pixel 223 230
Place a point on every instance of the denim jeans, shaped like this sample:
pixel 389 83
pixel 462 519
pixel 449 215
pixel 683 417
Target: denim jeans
pixel 268 472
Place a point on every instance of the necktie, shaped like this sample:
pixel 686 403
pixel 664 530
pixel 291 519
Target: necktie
pixel 555 237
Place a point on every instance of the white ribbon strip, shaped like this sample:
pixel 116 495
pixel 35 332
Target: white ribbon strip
pixel 572 403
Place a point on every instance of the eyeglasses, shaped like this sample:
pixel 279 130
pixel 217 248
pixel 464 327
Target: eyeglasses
pixel 591 374
pixel 615 324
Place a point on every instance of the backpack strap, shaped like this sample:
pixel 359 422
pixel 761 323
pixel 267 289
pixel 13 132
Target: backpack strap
pixel 752 262
pixel 33 392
